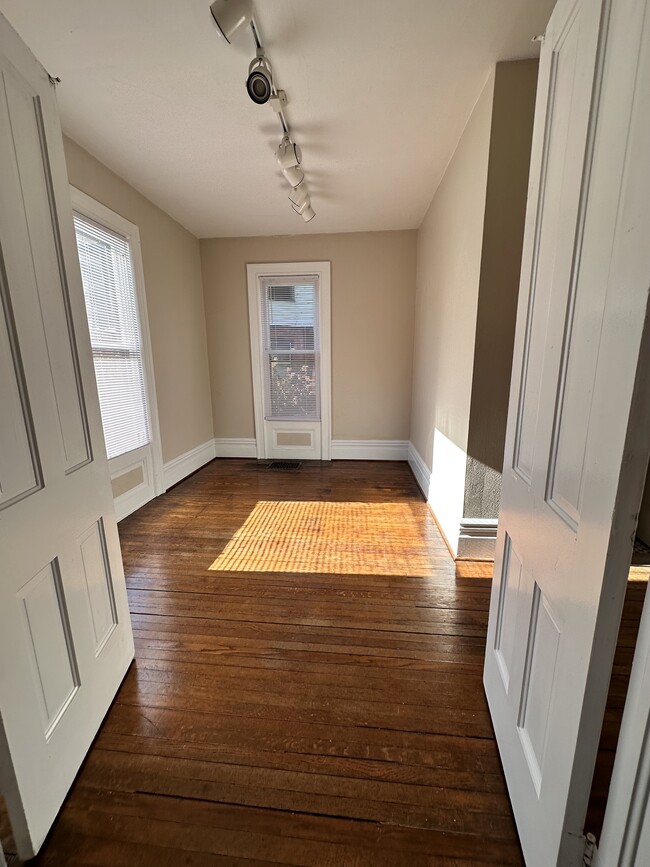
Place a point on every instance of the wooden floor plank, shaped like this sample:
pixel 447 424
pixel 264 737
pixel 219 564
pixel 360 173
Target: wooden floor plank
pixel 295 716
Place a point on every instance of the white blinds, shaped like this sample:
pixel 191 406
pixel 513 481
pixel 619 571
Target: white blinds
pixel 291 347
pixel 109 289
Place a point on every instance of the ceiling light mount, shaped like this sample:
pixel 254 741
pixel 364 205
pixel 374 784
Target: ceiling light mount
pixel 232 17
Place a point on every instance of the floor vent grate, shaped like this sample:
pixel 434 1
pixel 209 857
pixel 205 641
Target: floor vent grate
pixel 284 465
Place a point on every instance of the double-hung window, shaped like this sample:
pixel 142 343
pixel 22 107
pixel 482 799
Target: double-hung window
pixel 111 305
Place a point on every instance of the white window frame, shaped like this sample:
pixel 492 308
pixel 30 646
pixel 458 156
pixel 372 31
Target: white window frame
pixel 292 269
pixel 94 210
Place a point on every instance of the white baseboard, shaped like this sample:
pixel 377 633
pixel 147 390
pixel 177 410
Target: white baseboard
pixel 351 450
pixel 478 539
pixel 131 501
pixel 420 470
pixel 178 468
pixel 370 450
pixel 236 447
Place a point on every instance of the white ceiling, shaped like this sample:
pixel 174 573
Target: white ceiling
pixel 379 93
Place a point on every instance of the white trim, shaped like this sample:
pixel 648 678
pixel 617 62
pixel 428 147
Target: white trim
pixel 352 450
pixel 184 465
pixel 235 447
pixel 370 450
pixel 323 270
pixel 131 501
pixel 420 470
pixel 477 539
pixel 479 528
pixel 95 210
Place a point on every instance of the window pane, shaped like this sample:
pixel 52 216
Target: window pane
pixel 290 335
pixel 293 386
pixel 109 290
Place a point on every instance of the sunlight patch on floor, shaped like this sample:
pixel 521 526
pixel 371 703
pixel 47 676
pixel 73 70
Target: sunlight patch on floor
pixel 327 538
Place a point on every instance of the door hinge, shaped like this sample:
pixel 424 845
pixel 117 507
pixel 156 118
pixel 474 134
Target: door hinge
pixel 590 851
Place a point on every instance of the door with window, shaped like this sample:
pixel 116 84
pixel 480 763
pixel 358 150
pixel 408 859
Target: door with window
pixel 289 307
pixel 113 283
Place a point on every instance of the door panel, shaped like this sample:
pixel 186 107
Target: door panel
pixel 64 621
pixel 34 175
pixel 565 526
pixel 20 469
pixel 46 629
pixel 99 584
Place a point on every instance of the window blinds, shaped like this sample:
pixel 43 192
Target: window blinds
pixel 291 347
pixel 109 290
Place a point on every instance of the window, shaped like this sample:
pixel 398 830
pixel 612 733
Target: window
pixel 291 347
pixel 109 290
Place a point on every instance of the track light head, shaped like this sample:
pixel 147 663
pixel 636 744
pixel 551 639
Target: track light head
pixel 308 214
pixel 288 153
pixel 231 16
pixel 294 175
pixel 299 196
pixel 259 83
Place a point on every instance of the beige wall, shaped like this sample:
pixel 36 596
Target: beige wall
pixel 373 285
pixel 468 262
pixel 503 233
pixel 448 269
pixel 172 271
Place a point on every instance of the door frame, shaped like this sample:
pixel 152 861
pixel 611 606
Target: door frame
pixel 136 497
pixel 292 269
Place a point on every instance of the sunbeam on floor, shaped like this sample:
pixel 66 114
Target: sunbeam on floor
pixel 329 538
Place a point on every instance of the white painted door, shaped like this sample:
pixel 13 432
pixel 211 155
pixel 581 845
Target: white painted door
pixel 625 839
pixel 65 635
pixel 289 308
pixel 575 447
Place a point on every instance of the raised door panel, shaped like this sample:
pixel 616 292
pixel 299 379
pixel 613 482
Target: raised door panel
pixel 99 584
pixel 560 175
pixel 538 685
pixel 49 270
pixel 49 643
pixel 508 615
pixel 20 472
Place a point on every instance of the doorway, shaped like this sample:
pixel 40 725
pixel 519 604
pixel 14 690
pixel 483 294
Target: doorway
pixel 289 314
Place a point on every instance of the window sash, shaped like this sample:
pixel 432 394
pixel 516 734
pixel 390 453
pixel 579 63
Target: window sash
pixel 115 335
pixel 292 374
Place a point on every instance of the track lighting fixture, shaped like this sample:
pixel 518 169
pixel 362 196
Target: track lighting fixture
pixel 308 214
pixel 288 154
pixel 231 16
pixel 301 207
pixel 259 83
pixel 294 175
pixel 299 196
